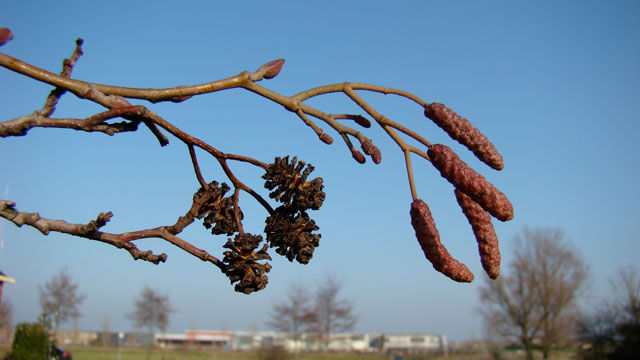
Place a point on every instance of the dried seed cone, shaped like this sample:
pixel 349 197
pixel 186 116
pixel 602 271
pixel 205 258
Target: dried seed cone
pixel 434 251
pixel 470 182
pixel 461 130
pixel 242 263
pixel 485 234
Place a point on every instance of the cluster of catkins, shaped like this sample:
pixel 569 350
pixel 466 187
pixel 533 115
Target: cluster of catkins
pixel 478 198
pixel 288 228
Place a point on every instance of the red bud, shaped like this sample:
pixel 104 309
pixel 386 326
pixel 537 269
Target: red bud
pixel 362 121
pixel 272 68
pixel 376 156
pixel 372 150
pixel 5 35
pixel 358 156
pixel 326 138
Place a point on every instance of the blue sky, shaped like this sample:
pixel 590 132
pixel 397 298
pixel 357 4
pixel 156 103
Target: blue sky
pixel 555 86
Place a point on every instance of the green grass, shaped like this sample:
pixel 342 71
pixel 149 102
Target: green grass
pixel 158 354
pixel 98 353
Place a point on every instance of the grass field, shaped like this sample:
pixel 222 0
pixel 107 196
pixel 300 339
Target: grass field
pixel 99 353
pixel 141 354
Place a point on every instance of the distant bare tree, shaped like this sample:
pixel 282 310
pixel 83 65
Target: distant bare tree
pixel 332 313
pixel 294 314
pixel 613 330
pixel 151 309
pixel 59 299
pixel 626 287
pixel 534 301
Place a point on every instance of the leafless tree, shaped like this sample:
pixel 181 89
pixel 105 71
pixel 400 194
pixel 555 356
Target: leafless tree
pixel 289 227
pixel 612 331
pixel 626 288
pixel 59 299
pixel 152 310
pixel 294 314
pixel 332 313
pixel 534 302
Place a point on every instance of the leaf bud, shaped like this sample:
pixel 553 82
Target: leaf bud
pixel 272 68
pixel 326 138
pixel 5 35
pixel 372 150
pixel 362 121
pixel 358 156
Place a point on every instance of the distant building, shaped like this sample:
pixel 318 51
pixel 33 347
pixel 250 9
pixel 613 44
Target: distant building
pixel 410 343
pixel 407 343
pixel 195 339
pixel 70 337
pixel 342 342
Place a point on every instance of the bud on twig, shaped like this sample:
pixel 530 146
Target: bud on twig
pixel 5 35
pixel 362 121
pixel 434 251
pixel 272 68
pixel 326 138
pixel 372 150
pixel 470 182
pixel 358 156
pixel 485 234
pixel 461 130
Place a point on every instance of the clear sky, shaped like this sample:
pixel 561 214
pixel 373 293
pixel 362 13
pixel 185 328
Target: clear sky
pixel 555 86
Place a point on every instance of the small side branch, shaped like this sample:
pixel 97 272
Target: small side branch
pixel 88 231
pixel 95 123
pixel 67 67
pixel 121 241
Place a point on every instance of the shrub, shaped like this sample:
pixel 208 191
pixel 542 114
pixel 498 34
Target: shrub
pixel 29 343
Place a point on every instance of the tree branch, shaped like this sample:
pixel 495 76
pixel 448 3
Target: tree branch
pixel 288 226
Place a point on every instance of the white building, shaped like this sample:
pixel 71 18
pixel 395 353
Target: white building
pixel 342 342
pixel 195 338
pixel 411 343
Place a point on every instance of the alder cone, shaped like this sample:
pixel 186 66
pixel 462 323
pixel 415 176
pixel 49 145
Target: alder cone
pixel 485 234
pixel 242 266
pixel 461 130
pixel 465 179
pixel 434 251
